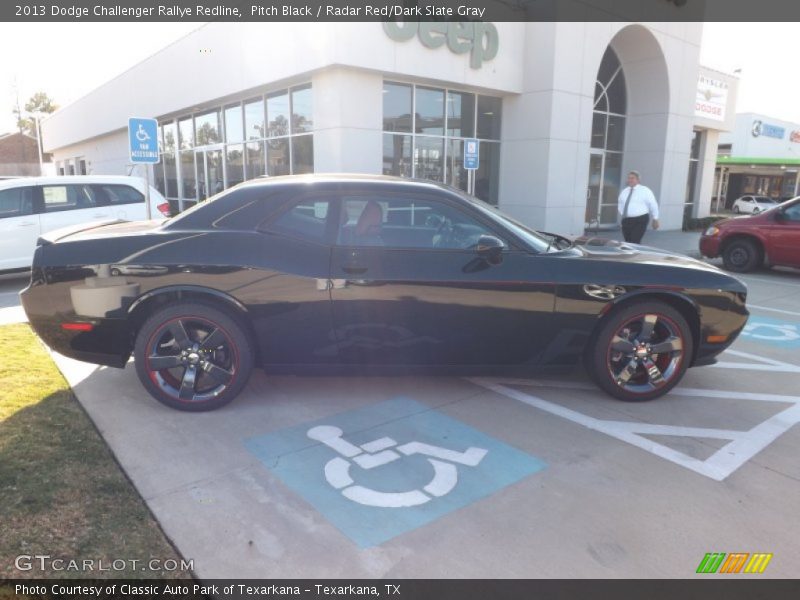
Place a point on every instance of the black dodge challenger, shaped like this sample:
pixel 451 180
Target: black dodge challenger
pixel 356 273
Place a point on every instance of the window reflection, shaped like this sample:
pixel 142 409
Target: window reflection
pixel 233 124
pixel 207 130
pixel 278 114
pixel 302 116
pixel 396 107
pixel 397 155
pixel 429 111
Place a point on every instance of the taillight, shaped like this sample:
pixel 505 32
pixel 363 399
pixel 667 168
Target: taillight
pixel 163 208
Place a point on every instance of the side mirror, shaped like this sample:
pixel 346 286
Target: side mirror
pixel 490 248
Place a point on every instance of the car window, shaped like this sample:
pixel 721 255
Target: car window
pixel 67 197
pixel 792 212
pixel 117 194
pixel 406 223
pixel 16 202
pixel 305 220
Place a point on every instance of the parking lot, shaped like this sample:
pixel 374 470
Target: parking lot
pixel 475 477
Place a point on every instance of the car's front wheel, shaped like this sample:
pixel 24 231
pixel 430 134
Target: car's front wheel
pixel 641 351
pixel 193 357
pixel 741 256
pixel 736 209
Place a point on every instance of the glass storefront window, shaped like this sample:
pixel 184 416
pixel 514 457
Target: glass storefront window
pixel 278 162
pixel 487 177
pixel 429 158
pixel 186 130
pixel 455 173
pixel 254 120
pixel 429 111
pixel 396 107
pixel 302 114
pixel 599 121
pixel 234 164
pixel 302 154
pixel 397 155
pixel 616 133
pixel 278 114
pixel 460 114
pixel 170 175
pixel 254 152
pixel 233 124
pixel 188 177
pixel 489 117
pixel 170 137
pixel 207 130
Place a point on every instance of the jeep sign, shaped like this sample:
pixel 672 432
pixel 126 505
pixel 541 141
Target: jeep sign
pixel 481 40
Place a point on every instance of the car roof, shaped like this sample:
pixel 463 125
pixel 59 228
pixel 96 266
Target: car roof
pixel 313 178
pixel 64 179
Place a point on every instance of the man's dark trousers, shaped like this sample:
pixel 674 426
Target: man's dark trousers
pixel 633 228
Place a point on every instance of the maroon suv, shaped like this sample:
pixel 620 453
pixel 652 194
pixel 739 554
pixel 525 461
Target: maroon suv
pixel 745 243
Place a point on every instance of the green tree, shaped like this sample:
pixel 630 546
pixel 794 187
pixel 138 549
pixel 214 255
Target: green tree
pixel 39 104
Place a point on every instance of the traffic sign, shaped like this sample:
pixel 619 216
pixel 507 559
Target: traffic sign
pixel 471 154
pixel 143 140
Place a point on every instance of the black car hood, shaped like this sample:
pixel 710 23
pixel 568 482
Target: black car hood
pixel 614 250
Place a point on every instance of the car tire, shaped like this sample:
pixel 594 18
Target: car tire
pixel 736 209
pixel 640 352
pixel 193 357
pixel 741 256
pixel 756 211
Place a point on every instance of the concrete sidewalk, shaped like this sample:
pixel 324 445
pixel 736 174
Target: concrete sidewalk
pixel 682 242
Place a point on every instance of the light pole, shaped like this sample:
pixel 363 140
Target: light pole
pixel 39 141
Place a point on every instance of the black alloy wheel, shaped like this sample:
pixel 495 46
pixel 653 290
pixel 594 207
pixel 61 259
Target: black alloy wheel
pixel 193 357
pixel 641 352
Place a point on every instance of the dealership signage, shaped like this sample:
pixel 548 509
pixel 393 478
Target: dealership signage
pixel 774 131
pixel 480 40
pixel 712 98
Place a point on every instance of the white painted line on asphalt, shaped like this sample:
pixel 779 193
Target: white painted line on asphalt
pixel 765 280
pixel 764 364
pixel 742 447
pixel 777 310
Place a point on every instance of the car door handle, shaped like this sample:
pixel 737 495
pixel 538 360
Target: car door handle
pixel 354 270
pixel 27 224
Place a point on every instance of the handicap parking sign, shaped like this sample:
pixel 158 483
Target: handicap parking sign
pixel 143 140
pixel 388 468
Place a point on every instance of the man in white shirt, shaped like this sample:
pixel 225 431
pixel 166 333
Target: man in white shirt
pixel 636 205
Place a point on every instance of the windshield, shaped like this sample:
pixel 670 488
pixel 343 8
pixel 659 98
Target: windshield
pixel 536 240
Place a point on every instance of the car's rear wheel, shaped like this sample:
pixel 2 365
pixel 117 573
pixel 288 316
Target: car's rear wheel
pixel 193 357
pixel 641 351
pixel 741 256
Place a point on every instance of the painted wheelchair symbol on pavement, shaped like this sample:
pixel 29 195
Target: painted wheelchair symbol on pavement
pixel 378 453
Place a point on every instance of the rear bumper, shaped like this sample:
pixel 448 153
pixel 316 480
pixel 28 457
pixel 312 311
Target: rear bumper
pixel 108 343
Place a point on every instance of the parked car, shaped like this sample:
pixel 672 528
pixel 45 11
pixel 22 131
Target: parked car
pixel 31 206
pixel 346 273
pixel 752 205
pixel 745 243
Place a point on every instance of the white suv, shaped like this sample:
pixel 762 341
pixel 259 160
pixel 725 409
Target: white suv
pixel 31 206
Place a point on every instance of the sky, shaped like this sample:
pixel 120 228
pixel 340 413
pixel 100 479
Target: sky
pixel 70 60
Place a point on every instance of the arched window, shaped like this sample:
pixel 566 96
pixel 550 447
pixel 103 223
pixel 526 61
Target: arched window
pixel 608 137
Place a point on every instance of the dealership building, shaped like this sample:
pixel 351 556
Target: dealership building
pixel 761 156
pixel 561 111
